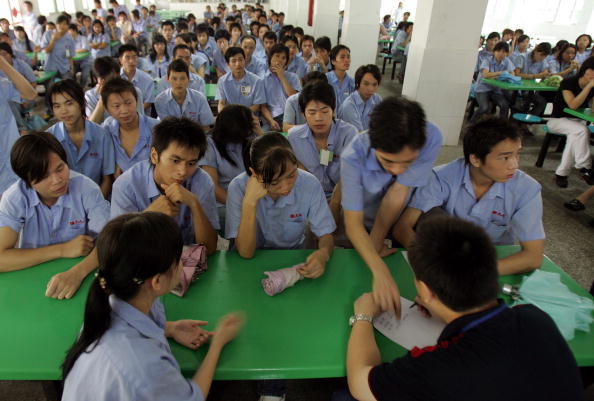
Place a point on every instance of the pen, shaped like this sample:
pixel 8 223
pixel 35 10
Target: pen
pixel 413 305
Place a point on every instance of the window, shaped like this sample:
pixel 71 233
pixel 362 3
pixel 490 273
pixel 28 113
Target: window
pixel 568 12
pixel 46 7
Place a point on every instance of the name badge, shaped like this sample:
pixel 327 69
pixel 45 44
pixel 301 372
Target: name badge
pixel 326 157
pixel 245 90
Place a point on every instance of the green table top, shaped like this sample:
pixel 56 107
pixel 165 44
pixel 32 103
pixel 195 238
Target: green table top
pixel 40 55
pixel 584 114
pixel 301 333
pixel 385 41
pixel 81 56
pixel 210 91
pixel 114 43
pixel 45 76
pixel 524 85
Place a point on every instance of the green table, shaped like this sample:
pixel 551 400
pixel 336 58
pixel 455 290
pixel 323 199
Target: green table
pixel 584 114
pixel 40 55
pixel 210 91
pixel 45 76
pixel 114 43
pixel 81 56
pixel 301 333
pixel 524 85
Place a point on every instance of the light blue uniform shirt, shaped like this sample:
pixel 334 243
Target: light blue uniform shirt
pixel 581 57
pixel 364 180
pixel 81 43
pixel 531 67
pixel 57 59
pixel 555 67
pixel 515 58
pixel 208 50
pixel 195 107
pixel 196 83
pixel 293 114
pixel 257 66
pixel 120 8
pixel 275 94
pixel 132 361
pixel 139 26
pixel 92 97
pixel 304 146
pixel 81 211
pixel 220 62
pixel 355 111
pixel 101 38
pixel 225 170
pixel 507 211
pixel 199 59
pixel 248 91
pixel 136 189
pixel 343 90
pixel 144 82
pixel 492 65
pixel 9 130
pixel 96 156
pixel 23 68
pixel 281 223
pixel 298 66
pixel 482 54
pixel 143 146
pixel 155 69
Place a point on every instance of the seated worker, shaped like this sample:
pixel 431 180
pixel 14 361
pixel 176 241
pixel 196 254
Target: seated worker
pixel 279 84
pixel 239 86
pixel 321 62
pixel 492 67
pixel 168 31
pixel 122 352
pixel 198 60
pixel 492 40
pixel 59 49
pixel 379 170
pixel 222 39
pixel 252 64
pixel 358 105
pixel 296 64
pixel 204 45
pixel 181 101
pixel 49 213
pixel 156 62
pixel 534 66
pixel 128 57
pixel 89 149
pixel 81 46
pixel 487 350
pixel 104 68
pixel 293 115
pixel 487 188
pixel 183 53
pixel 172 182
pixel 130 131
pixel 340 57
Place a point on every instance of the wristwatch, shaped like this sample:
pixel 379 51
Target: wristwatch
pixel 360 316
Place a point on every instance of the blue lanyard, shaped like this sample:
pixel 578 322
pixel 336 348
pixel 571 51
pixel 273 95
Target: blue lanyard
pixel 484 318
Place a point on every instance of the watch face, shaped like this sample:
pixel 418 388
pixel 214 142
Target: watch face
pixel 352 320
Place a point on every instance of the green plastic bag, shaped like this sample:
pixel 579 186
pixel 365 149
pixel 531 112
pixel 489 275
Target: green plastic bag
pixel 569 311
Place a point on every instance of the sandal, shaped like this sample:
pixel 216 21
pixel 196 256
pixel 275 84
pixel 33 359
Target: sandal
pixel 574 205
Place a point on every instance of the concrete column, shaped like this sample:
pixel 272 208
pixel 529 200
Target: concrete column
pixel 441 60
pixel 325 19
pixel 360 31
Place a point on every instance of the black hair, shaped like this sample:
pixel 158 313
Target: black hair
pixel 395 123
pixel 27 41
pixel 589 39
pixel 520 31
pixel 29 156
pixel 167 23
pixel 124 266
pixel 588 64
pixel 222 35
pixel 289 38
pixel 319 91
pixel 182 26
pixel 246 37
pixel 127 48
pixel 62 18
pixel 233 125
pixel 158 38
pixel 235 25
pixel 313 76
pixel 180 47
pixel 79 14
pixel 522 38
pixel 559 45
pixel 109 18
pixel 263 26
pixel 268 156
pixel 73 27
pixel 286 30
pixel 187 39
pixel 252 24
pixel 185 132
pixel 298 31
pixel 307 37
pixel 323 42
pixel 233 51
pixel 93 34
pixel 270 36
pixel 117 85
pixel 202 28
pixel 543 47
pixel 230 18
pixel 457 261
pixel 104 66
pixel 501 46
pixel 7 48
pixel 69 87
pixel 367 69
pixel 178 66
pixel 486 133
pixel 278 48
pixel 494 35
pixel 562 50
pixel 42 20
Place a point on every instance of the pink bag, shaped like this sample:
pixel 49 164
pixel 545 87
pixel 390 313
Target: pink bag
pixel 195 263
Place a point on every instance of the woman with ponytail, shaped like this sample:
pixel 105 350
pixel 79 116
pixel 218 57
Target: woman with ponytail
pixel 122 352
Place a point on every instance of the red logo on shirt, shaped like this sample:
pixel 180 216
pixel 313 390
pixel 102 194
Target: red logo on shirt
pixel 75 222
pixel 93 154
pixel 294 216
pixel 495 212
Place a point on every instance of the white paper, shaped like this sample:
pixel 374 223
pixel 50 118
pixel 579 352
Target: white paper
pixel 414 329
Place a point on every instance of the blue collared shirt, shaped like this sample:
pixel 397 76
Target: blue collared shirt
pixel 101 38
pixel 555 67
pixel 195 107
pixel 220 62
pixel 364 180
pixel 303 144
pixel 144 82
pixel 257 66
pixel 581 57
pixel 293 114
pixel 196 83
pixel 81 211
pixel 248 91
pixel 208 49
pixel 481 56
pixel 225 170
pixel 343 90
pixel 507 211
pixel 57 59
pixel 275 93
pixel 131 361
pixel 23 68
pixel 141 150
pixel 532 67
pixel 515 58
pixel 9 130
pixel 155 69
pixel 80 42
pixel 281 223
pixel 136 189
pixel 355 111
pixel 96 156
pixel 199 59
pixel 298 66
pixel 139 26
pixel 92 97
pixel 117 10
pixel 491 64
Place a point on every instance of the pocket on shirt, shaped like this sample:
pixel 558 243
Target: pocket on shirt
pixel 293 230
pixel 496 231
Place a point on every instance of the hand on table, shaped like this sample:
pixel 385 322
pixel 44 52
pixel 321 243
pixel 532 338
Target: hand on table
pixel 189 333
pixel 63 285
pixel 228 328
pixel 366 305
pixel 315 264
pixel 385 291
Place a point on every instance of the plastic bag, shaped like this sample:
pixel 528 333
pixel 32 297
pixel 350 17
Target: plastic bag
pixel 507 77
pixel 569 311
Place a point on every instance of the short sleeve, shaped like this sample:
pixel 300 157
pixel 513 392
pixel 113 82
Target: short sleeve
pixel 96 207
pixel 290 115
pixel 419 172
pixel 320 218
pixel 295 82
pixel 210 156
pixel 526 221
pixel 108 154
pixel 348 113
pixel 259 93
pixel 432 195
pixel 485 64
pixel 351 185
pixel 554 67
pixel 12 214
pixel 160 105
pixel 233 207
pixel 208 201
pixel 8 91
pixel 121 198
pixel 206 117
pixel 220 93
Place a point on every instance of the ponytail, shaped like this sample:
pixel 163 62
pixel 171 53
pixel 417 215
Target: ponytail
pixel 268 156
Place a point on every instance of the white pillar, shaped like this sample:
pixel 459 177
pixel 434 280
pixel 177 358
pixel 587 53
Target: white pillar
pixel 441 60
pixel 325 19
pixel 360 31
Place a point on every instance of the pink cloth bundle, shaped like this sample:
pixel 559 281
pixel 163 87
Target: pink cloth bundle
pixel 195 263
pixel 281 279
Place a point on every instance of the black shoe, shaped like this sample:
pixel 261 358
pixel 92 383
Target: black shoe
pixel 574 205
pixel 588 175
pixel 561 181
